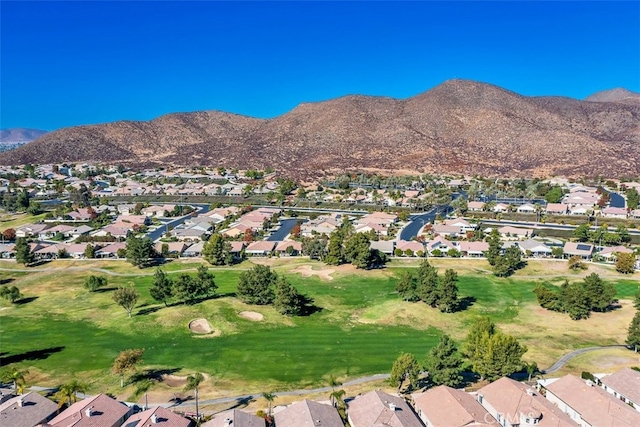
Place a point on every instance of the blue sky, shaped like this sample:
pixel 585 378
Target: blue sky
pixel 75 63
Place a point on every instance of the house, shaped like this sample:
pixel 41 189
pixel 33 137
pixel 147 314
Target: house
pixel 77 250
pixel 308 414
pixel 234 418
pixel 194 250
pixel 296 247
pixel 588 404
pixel 611 212
pixel 515 232
pixel 192 234
pixel 173 248
pixel 27 410
pixel 379 229
pixel 157 416
pixel 410 247
pixel 535 248
pixel 635 214
pixel 7 250
pixel 378 408
pixel 236 249
pixel 29 230
pixel 557 209
pixel 112 230
pixel 260 248
pixel 583 250
pixel 516 404
pixel 580 210
pixel 111 251
pixel 444 406
pixel 440 243
pixel 384 246
pixel 381 218
pixel 465 226
pixel 446 230
pixel 475 206
pixel 624 385
pixel 100 410
pixel 501 207
pixel 610 252
pixel 526 208
pixel 80 231
pixel 49 233
pixel 473 249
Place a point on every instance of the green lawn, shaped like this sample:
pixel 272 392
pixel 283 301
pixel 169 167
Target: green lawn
pixel 67 332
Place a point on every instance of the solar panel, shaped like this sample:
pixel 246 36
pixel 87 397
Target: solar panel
pixel 583 247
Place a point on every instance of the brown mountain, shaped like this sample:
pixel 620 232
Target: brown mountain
pixel 615 95
pixel 457 127
pixel 19 135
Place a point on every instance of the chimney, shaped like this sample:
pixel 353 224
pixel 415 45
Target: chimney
pixel 154 418
pixel 21 402
pixel 88 411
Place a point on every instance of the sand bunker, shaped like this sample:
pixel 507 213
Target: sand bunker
pixel 200 326
pixel 306 271
pixel 251 315
pixel 174 380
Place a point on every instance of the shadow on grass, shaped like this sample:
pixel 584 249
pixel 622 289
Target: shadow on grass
pixel 148 310
pixel 6 281
pixel 153 374
pixel 8 358
pixel 103 290
pixel 465 303
pixel 26 300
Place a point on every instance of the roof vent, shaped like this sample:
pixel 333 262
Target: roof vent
pixel 392 406
pixel 89 411
pixel 21 402
pixel 228 421
pixel 531 392
pixel 590 383
pixel 154 418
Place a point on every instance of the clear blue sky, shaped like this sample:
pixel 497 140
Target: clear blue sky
pixel 74 63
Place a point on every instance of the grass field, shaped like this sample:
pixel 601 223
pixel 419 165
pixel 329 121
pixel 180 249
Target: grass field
pixel 65 332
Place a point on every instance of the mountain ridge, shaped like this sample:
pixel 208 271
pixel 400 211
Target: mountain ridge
pixel 459 126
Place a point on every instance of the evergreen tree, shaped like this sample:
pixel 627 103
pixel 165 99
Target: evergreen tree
pixel 357 252
pixel 407 287
pixel 139 251
pixel 186 288
pixel 216 251
pixel 256 285
pixel 288 300
pixel 93 283
pixel 90 252
pixel 475 344
pixel 335 251
pixel 23 251
pixel 582 233
pixel 428 282
pixel 315 247
pixel 443 363
pixel 10 293
pixel 161 289
pixel 448 292
pixel 405 367
pixel 575 301
pixel 495 246
pixel 205 282
pixel 633 337
pixel 600 294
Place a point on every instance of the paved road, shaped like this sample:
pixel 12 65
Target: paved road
pixel 285 227
pixel 160 231
pixel 564 359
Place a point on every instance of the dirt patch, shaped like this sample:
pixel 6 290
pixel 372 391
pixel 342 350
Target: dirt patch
pixel 174 380
pixel 251 315
pixel 307 271
pixel 200 326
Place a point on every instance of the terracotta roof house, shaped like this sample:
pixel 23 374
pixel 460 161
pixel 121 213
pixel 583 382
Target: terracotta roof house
pixel 308 414
pixel 526 208
pixel 7 250
pixel 610 252
pixel 235 418
pixel 30 230
pixel 27 410
pixel 194 250
pixel 611 212
pixel 444 406
pixel 384 246
pixel 175 248
pixel 110 251
pixel 589 405
pixel 261 247
pixel 368 227
pixel 475 206
pixel 583 250
pixel 96 411
pixel 411 245
pixel 557 209
pixel 501 207
pixel 378 408
pixel 515 232
pixel 460 222
pixel 159 417
pixel 625 385
pixel 446 230
pixel 281 247
pixel 440 243
pixel 474 249
pixel 516 404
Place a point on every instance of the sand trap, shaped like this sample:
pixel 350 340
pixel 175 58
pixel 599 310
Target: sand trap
pixel 307 271
pixel 200 326
pixel 251 315
pixel 174 380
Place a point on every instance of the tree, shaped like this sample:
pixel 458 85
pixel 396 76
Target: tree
pixel 532 369
pixel 93 283
pixel 288 300
pixel 193 382
pixel 405 367
pixel 10 293
pixel 633 198
pixel 269 397
pixel 139 251
pixel 216 251
pixel 557 252
pixel 601 294
pixel 428 283
pixel 256 285
pixel 495 246
pixel 68 393
pixel 90 252
pixel 633 337
pixel 23 251
pixel 407 287
pixel 126 362
pixel 625 262
pixel 126 297
pixel 582 233
pixel 9 234
pixel 315 247
pixel 335 252
pixel 448 292
pixel 554 195
pixel 443 363
pixel 185 288
pixel 357 251
pixel 205 282
pixel 16 377
pixel 575 301
pixel 636 300
pixel 474 344
pixel 161 289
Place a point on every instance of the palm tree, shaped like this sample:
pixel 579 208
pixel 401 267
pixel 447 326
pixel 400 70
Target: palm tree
pixel 333 383
pixel 16 377
pixel 269 396
pixel 67 393
pixel 532 369
pixel 336 398
pixel 193 381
